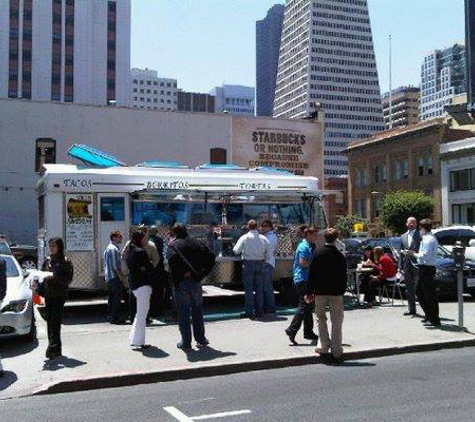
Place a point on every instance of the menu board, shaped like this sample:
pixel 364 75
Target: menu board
pixel 79 222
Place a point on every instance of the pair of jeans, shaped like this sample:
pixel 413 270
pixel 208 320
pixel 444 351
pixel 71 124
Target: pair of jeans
pixel 335 303
pixel 142 296
pixel 427 293
pixel 114 287
pixel 253 280
pixel 54 307
pixel 269 298
pixel 303 314
pixel 189 301
pixel 410 277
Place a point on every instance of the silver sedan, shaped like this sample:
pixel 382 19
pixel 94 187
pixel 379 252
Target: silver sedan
pixel 16 310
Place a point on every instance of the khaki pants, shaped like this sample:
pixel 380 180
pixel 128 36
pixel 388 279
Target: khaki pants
pixel 335 304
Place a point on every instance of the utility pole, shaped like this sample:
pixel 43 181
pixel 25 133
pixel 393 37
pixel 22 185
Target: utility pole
pixel 390 83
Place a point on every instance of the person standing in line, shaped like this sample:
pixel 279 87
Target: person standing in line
pixel 411 240
pixel 55 292
pixel 152 253
pixel 327 278
pixel 267 229
pixel 3 293
pixel 140 268
pixel 160 287
pixel 254 249
pixel 190 261
pixel 426 258
pixel 112 274
pixel 304 312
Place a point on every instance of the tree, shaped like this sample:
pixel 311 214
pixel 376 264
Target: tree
pixel 345 224
pixel 397 206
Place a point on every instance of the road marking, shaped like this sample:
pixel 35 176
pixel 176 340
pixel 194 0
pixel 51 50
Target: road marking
pixel 181 417
pixel 177 414
pixel 221 415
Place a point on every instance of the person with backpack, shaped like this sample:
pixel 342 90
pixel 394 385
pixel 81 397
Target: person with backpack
pixel 55 291
pixel 190 261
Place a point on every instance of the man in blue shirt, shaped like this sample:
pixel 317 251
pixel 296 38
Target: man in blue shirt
pixel 426 258
pixel 112 272
pixel 304 312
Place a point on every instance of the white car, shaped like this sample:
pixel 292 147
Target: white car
pixel 447 236
pixel 16 309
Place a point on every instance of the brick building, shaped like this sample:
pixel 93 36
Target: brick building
pixel 402 158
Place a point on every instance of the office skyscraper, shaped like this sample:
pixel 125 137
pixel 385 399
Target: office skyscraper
pixel 268 33
pixel 65 50
pixel 234 99
pixel 327 60
pixel 443 76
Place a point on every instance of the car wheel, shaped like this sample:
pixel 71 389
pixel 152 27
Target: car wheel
pixel 31 336
pixel 28 263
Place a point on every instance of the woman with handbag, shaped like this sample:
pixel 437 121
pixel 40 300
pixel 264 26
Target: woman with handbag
pixel 55 291
pixel 141 274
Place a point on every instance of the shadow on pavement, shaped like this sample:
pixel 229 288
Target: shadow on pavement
pixel 271 318
pixel 8 379
pixel 206 354
pixel 351 364
pixel 16 347
pixel 61 363
pixel 450 328
pixel 154 353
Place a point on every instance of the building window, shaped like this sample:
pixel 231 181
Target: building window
pixel 360 179
pixel 377 205
pixel 27 48
pixel 360 208
pixel 13 49
pixel 45 153
pixel 463 214
pixel 462 180
pixel 380 173
pixel 217 156
pixel 57 34
pixel 69 53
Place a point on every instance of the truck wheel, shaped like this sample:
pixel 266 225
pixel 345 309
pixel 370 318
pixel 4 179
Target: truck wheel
pixel 28 263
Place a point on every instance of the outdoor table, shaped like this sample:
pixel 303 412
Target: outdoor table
pixel 358 271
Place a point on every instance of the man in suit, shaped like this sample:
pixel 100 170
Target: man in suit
pixel 3 292
pixel 411 241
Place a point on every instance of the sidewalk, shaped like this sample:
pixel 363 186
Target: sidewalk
pixel 96 354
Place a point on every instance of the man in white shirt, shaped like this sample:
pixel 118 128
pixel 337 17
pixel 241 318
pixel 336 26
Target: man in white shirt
pixel 267 229
pixel 254 250
pixel 426 259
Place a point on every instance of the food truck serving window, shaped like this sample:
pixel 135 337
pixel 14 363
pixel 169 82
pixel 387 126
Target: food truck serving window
pixel 112 209
pixel 194 213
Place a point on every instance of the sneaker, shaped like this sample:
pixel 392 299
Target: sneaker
pixel 291 336
pixel 203 343
pixel 182 346
pixel 409 313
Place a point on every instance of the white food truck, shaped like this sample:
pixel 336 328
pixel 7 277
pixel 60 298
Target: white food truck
pixel 83 205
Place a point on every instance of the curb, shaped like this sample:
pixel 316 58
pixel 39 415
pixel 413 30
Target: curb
pixel 185 373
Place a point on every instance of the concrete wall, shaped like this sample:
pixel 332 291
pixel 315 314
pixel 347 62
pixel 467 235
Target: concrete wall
pixel 132 135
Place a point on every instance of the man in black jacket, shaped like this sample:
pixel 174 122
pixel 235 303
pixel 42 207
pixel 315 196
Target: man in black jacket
pixel 3 292
pixel 190 261
pixel 326 285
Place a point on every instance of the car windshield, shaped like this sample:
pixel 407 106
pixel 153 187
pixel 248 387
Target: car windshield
pixel 450 236
pixel 4 249
pixel 443 253
pixel 12 270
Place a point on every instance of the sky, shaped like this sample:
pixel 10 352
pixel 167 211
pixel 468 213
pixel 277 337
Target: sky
pixel 204 43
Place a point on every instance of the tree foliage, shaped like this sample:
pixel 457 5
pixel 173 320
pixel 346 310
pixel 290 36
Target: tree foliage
pixel 397 206
pixel 345 224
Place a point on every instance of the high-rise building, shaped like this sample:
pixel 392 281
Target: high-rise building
pixel 195 102
pixel 268 33
pixel 234 99
pixel 470 46
pixel 401 107
pixel 65 50
pixel 443 76
pixel 327 60
pixel 150 92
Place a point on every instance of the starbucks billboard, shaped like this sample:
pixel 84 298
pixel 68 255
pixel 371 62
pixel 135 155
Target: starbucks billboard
pixel 287 144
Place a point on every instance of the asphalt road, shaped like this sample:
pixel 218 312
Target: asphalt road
pixel 436 386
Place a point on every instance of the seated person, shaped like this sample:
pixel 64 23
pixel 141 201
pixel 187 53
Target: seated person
pixel 365 278
pixel 385 269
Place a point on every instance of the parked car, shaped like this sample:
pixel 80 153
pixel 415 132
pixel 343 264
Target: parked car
pixel 447 236
pixel 16 311
pixel 4 248
pixel 354 251
pixel 26 255
pixel 446 272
